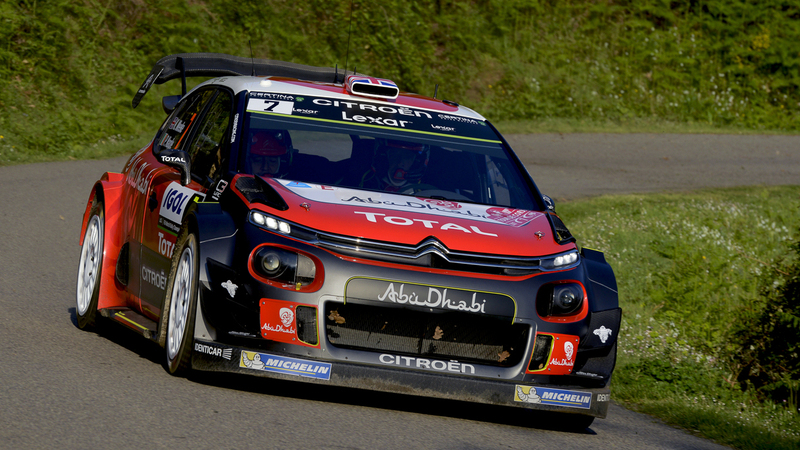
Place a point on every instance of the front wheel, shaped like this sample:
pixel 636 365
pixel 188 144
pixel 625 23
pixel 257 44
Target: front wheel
pixel 180 304
pixel 90 267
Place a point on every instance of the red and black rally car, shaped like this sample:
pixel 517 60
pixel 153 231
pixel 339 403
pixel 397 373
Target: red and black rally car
pixel 296 222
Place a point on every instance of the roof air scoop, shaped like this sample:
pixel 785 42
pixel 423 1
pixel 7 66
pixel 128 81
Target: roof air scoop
pixel 371 87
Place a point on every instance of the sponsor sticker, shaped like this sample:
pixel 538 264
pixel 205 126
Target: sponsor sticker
pixel 561 359
pixel 603 333
pixel 139 175
pixel 365 113
pixel 212 350
pixel 235 125
pixel 549 396
pixel 157 279
pixel 564 353
pixel 427 364
pixel 269 105
pixel 174 202
pixel 511 216
pixel 165 246
pixel 442 208
pixel 230 287
pixel 285 365
pixel 279 321
pixel 437 297
pixel 219 190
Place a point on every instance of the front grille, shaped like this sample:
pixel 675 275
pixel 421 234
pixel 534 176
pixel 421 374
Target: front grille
pixel 429 253
pixel 447 336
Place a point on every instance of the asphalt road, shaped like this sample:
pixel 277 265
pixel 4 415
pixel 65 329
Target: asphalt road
pixel 64 388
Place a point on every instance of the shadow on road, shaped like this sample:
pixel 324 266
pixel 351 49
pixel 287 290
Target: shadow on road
pixel 502 415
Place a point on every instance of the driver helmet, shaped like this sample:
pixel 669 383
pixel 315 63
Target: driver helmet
pixel 406 161
pixel 268 152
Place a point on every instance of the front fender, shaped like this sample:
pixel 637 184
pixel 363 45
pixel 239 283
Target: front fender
pixel 604 283
pixel 108 190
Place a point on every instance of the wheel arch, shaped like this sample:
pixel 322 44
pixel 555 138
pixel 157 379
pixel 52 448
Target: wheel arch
pixel 603 280
pixel 108 190
pixel 216 232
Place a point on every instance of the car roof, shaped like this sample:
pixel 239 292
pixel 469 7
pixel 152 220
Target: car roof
pixel 295 87
pixel 262 75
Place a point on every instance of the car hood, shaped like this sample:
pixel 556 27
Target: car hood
pixel 402 219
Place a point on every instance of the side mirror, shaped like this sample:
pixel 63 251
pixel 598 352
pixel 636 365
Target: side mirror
pixel 178 159
pixel 170 102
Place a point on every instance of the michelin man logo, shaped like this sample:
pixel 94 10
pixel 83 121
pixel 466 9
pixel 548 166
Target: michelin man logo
pixel 529 397
pixel 287 317
pixel 254 363
pixel 568 347
pixel 230 287
pixel 603 333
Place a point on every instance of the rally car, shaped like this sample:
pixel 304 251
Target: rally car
pixel 303 223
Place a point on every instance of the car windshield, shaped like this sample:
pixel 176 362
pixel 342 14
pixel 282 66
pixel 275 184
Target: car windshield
pixel 389 149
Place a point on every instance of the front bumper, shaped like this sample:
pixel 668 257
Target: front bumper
pixel 216 357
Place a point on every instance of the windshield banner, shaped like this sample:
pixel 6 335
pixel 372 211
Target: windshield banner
pixel 371 114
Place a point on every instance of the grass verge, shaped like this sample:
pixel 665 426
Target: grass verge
pixel 689 269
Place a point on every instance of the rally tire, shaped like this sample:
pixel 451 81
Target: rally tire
pixel 90 268
pixel 180 304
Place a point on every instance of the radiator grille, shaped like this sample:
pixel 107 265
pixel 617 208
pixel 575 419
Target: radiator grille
pixel 456 336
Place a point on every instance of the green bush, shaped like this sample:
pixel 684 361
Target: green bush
pixel 769 359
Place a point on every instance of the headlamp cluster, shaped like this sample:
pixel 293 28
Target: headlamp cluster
pixel 561 261
pixel 284 266
pixel 560 299
pixel 270 223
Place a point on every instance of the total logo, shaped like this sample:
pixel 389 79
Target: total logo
pixel 173 159
pixel 176 197
pixel 405 221
pixel 165 247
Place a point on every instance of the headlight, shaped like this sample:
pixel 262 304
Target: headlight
pixel 561 261
pixel 270 223
pixel 284 266
pixel 559 299
pixel 271 262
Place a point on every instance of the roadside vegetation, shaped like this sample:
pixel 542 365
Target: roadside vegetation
pixel 708 281
pixel 69 69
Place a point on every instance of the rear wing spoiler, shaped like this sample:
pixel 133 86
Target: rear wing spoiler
pixel 211 65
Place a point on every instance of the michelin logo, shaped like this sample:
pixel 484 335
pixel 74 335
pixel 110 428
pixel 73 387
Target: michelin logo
pixel 558 397
pixel 282 364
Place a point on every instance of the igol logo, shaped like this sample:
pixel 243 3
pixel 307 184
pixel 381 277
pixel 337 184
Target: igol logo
pixel 176 197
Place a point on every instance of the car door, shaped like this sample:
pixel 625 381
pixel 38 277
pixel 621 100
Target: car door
pixel 204 137
pixel 145 175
